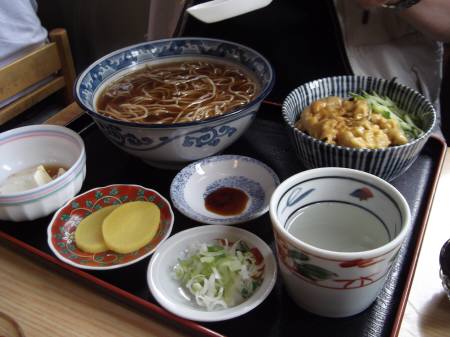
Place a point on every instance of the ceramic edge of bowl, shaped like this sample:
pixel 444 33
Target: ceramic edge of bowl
pixel 36 208
pixel 57 213
pixel 344 172
pixel 264 92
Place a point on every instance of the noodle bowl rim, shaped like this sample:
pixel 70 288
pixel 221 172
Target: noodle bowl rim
pixel 265 90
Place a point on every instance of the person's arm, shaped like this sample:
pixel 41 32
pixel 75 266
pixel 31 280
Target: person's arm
pixel 431 17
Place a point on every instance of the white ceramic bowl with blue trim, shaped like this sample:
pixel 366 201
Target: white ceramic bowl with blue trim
pixel 195 182
pixel 386 163
pixel 30 146
pixel 174 145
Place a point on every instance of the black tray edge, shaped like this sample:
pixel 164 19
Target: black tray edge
pixel 196 328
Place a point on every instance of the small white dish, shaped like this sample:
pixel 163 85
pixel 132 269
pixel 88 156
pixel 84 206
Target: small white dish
pixel 218 10
pixel 192 185
pixel 168 291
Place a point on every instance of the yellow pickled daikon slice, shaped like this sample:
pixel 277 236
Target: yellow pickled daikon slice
pixel 131 226
pixel 88 235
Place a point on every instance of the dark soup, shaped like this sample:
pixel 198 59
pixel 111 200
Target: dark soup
pixel 177 92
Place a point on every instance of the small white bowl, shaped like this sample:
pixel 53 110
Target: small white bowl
pixel 167 290
pixel 30 146
pixel 193 183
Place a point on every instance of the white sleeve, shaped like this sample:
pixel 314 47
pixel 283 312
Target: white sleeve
pixel 20 29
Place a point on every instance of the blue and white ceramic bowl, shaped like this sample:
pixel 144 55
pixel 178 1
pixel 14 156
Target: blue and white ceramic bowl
pixel 192 184
pixel 176 144
pixel 386 163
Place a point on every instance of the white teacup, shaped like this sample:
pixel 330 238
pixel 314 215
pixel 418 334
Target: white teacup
pixel 337 234
pixel 218 10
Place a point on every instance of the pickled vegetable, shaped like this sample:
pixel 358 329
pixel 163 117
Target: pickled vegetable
pixel 131 226
pixel 88 235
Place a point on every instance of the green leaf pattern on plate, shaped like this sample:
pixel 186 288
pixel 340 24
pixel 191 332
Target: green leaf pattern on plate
pixel 65 217
pixel 114 191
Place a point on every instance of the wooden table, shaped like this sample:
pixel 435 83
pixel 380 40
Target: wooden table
pixel 428 311
pixel 47 304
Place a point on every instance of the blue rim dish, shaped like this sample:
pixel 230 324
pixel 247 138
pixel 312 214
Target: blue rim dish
pixel 258 198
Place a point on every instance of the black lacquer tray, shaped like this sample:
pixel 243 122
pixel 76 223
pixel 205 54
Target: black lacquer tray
pixel 267 141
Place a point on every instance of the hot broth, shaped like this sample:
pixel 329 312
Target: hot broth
pixel 178 92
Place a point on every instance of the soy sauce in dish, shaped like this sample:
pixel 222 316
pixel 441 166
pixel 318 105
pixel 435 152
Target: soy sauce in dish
pixel 226 201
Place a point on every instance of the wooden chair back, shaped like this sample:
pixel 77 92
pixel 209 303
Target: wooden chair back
pixel 52 61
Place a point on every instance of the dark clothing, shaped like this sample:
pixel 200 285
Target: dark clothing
pixel 300 45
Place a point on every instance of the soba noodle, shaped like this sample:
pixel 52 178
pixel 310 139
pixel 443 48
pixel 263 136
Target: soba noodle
pixel 177 92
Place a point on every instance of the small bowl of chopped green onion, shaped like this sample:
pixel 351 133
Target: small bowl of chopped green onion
pixel 212 273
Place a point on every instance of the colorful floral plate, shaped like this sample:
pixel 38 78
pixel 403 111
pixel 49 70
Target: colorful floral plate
pixel 61 230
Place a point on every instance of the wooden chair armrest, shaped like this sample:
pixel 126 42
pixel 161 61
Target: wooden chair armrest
pixel 65 116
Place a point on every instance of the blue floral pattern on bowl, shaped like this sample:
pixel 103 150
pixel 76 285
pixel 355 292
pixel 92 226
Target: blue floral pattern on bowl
pixel 173 145
pixel 92 79
pixel 206 136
